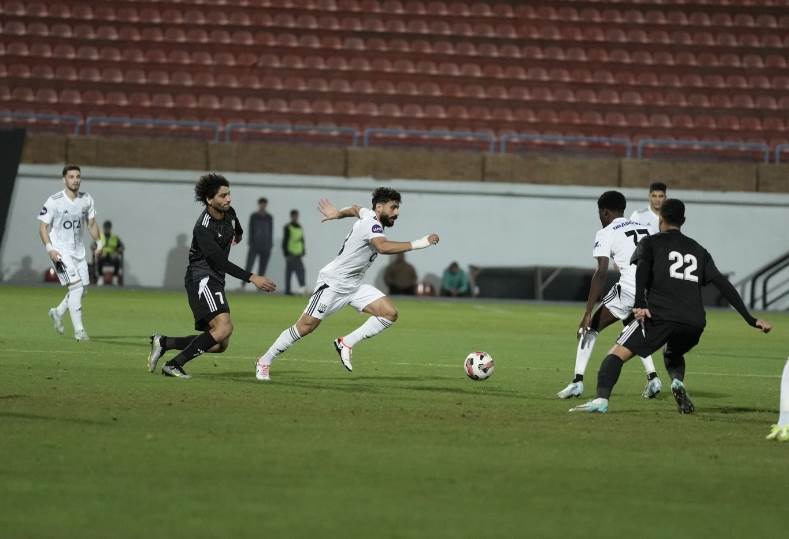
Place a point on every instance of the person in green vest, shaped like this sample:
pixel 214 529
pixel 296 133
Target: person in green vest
pixel 455 282
pixel 111 254
pixel 293 249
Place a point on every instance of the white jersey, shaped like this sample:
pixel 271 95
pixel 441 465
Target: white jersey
pixel 617 241
pixel 345 273
pixel 647 217
pixel 67 218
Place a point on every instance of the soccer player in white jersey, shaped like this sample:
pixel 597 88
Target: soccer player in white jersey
pixel 650 215
pixel 61 221
pixel 616 240
pixel 780 431
pixel 340 281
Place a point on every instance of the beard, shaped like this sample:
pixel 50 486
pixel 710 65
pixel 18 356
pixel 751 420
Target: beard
pixel 388 221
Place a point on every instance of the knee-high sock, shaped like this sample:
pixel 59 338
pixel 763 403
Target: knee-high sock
pixel 285 340
pixel 608 374
pixel 372 327
pixel 75 306
pixel 783 419
pixel 62 306
pixel 176 343
pixel 584 352
pixel 649 365
pixel 675 365
pixel 201 344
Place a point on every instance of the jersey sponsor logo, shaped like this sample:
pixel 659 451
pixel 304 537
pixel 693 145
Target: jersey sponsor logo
pixel 322 308
pixel 378 229
pixel 43 211
pixel 597 244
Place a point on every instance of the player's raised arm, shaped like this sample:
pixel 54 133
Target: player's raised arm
pixel 387 247
pixel 712 275
pixel 329 212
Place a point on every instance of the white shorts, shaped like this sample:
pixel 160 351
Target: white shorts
pixel 76 269
pixel 619 301
pixel 325 301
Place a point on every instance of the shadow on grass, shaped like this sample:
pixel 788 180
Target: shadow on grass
pixel 16 415
pixel 740 410
pixel 121 340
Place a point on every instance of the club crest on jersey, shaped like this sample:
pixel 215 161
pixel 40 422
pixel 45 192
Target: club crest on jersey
pixel 321 308
pixel 43 211
pixel 378 229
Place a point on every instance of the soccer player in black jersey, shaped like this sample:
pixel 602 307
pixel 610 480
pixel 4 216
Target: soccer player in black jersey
pixel 671 269
pixel 212 237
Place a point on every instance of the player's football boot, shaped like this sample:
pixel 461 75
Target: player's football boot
pixel 176 371
pixel 684 404
pixel 57 321
pixel 344 352
pixel 779 433
pixel 653 387
pixel 575 389
pixel 261 371
pixel 81 335
pixel 156 351
pixel 596 406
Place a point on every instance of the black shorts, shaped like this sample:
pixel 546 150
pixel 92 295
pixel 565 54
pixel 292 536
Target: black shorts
pixel 677 338
pixel 206 299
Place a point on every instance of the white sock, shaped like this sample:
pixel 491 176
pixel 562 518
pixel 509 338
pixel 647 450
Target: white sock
pixel 61 309
pixel 75 306
pixel 285 340
pixel 783 419
pixel 584 352
pixel 372 327
pixel 649 365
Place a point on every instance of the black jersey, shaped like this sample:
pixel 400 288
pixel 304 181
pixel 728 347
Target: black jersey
pixel 672 269
pixel 208 255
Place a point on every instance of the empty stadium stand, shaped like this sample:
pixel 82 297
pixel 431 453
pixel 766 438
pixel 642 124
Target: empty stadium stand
pixel 690 69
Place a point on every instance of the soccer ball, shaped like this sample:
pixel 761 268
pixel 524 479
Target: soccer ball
pixel 479 365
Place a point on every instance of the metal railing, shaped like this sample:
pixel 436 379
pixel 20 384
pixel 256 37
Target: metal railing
pixel 569 139
pixel 761 147
pixel 66 118
pixel 92 122
pixel 292 129
pixel 485 137
pixel 779 149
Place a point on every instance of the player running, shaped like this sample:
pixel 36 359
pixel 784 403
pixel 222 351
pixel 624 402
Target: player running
pixel 616 240
pixel 60 228
pixel 340 281
pixel 213 234
pixel 671 269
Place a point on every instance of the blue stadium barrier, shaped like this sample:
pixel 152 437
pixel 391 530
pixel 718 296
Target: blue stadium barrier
pixel 761 147
pixel 611 141
pixel 288 128
pixel 779 150
pixel 94 121
pixel 66 118
pixel 487 138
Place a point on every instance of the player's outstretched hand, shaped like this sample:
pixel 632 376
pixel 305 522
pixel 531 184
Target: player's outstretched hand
pixel 764 325
pixel 263 283
pixel 328 210
pixel 433 239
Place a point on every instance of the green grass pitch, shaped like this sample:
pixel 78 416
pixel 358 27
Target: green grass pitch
pixel 92 445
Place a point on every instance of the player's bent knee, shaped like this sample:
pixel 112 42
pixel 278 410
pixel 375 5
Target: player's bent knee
pixel 390 314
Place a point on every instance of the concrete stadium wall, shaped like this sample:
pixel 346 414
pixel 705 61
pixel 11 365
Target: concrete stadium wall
pixel 488 224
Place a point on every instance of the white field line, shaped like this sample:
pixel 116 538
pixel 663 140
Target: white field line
pixel 403 363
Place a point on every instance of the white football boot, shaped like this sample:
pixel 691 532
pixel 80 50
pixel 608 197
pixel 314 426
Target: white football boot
pixel 575 389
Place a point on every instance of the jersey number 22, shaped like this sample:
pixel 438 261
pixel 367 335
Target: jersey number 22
pixel 676 269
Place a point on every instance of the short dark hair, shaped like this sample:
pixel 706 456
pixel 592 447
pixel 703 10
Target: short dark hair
pixel 208 186
pixel 107 224
pixel 294 212
pixel 262 200
pixel 612 200
pixel 382 195
pixel 673 211
pixel 657 186
pixel 71 167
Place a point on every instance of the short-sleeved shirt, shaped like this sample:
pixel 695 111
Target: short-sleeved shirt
pixel 680 267
pixel 649 218
pixel 617 241
pixel 67 218
pixel 211 241
pixel 346 271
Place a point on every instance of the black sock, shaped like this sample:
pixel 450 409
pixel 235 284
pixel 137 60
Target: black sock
pixel 176 343
pixel 675 365
pixel 202 343
pixel 651 376
pixel 578 378
pixel 608 374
